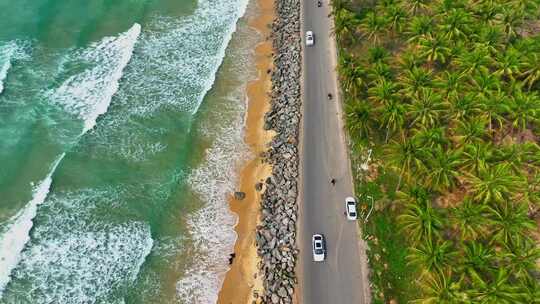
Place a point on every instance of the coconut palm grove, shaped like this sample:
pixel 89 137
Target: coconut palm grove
pixel 442 101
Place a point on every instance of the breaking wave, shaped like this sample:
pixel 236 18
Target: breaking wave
pixel 88 94
pixel 78 256
pixel 177 59
pixel 8 52
pixel 17 233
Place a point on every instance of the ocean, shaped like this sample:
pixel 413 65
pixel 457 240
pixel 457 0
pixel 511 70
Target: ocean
pixel 121 134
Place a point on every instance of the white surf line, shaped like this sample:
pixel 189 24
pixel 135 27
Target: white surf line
pixel 221 52
pixel 6 53
pixel 89 94
pixel 3 73
pixel 130 38
pixel 212 227
pixel 17 233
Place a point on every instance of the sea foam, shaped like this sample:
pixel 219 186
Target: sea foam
pixel 214 180
pixel 88 94
pixel 8 52
pixel 211 226
pixel 77 254
pixel 17 233
pixel 177 58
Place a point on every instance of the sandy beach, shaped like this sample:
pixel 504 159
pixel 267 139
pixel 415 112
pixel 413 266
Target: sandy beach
pixel 242 281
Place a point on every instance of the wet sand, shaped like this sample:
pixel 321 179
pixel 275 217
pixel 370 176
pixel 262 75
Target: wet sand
pixel 242 280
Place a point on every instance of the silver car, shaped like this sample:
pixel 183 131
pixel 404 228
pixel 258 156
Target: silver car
pixel 350 208
pixel 310 39
pixel 319 247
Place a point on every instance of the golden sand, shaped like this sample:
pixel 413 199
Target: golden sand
pixel 242 280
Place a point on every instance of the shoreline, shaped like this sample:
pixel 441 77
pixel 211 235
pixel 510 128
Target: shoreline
pixel 242 280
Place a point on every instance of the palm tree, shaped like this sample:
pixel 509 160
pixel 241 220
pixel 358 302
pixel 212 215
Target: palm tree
pixel 351 73
pixel 360 119
pixel 495 106
pixel 379 71
pixel 392 116
pixel 484 83
pixel 450 82
pixel 412 194
pixel 382 5
pixel 431 256
pixel 469 218
pixel 420 221
pixel 474 60
pixel 532 193
pixel 477 259
pixel 476 157
pixel 526 6
pixel 434 48
pixel 444 6
pixel 524 109
pixel 410 59
pixel 383 92
pixel 521 258
pixel 518 156
pixel 487 12
pixel 373 26
pixel 495 183
pixel 470 131
pixel 378 54
pixel 339 4
pixel 510 18
pixel 508 63
pixel 345 24
pixel 439 288
pixel 464 107
pixel 443 171
pixel 406 156
pixel 456 24
pixel 432 138
pixel 531 70
pixel 531 290
pixel 491 38
pixel 419 26
pixel 352 79
pixel 414 80
pixel 510 223
pixel 498 290
pixel 414 6
pixel 427 108
pixel 396 16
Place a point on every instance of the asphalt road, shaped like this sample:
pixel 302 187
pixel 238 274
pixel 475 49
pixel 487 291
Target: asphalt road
pixel 338 280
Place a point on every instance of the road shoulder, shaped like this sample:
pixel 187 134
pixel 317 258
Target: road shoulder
pixel 362 245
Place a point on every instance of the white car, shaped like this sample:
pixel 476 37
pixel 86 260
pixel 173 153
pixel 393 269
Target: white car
pixel 350 208
pixel 310 39
pixel 319 247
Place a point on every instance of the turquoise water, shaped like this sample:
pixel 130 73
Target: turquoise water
pixel 119 143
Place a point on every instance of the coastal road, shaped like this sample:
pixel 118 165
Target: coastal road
pixel 340 279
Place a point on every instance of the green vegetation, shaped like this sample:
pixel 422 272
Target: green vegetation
pixel 446 94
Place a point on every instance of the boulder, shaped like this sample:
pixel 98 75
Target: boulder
pixel 238 195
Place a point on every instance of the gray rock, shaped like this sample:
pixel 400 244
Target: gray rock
pixel 238 195
pixel 282 292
